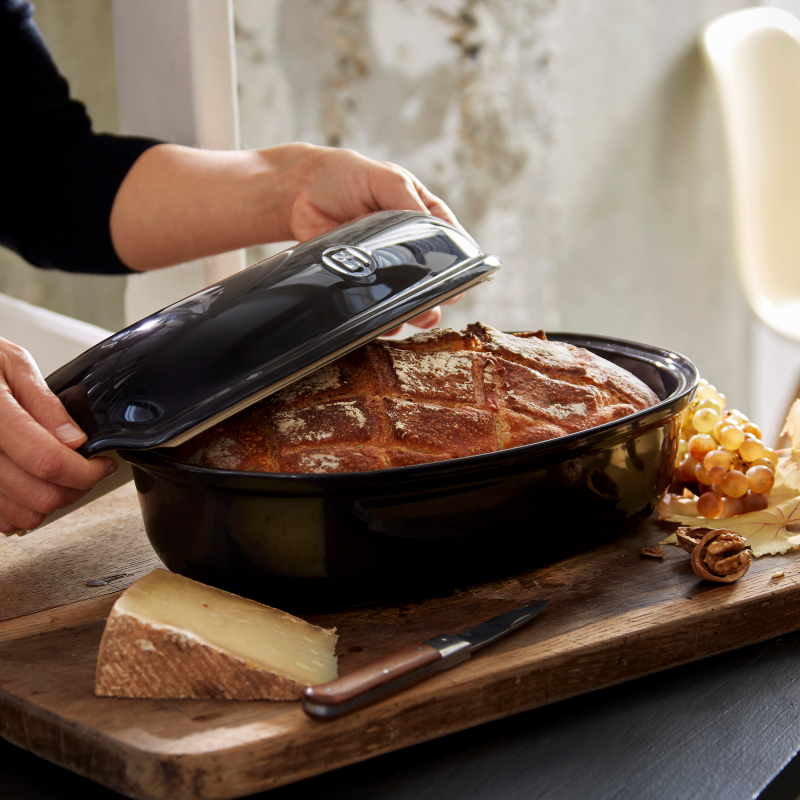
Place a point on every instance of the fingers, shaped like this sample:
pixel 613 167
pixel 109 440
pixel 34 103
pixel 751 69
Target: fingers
pixel 39 452
pixel 36 432
pixel 14 516
pixel 39 468
pixel 30 499
pixel 336 186
pixel 393 188
pixel 432 203
pixel 428 319
pixel 28 387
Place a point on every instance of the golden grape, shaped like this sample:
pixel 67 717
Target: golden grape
pixel 710 505
pixel 717 458
pixel 702 475
pixel 687 468
pixel 705 419
pixel 754 502
pixel 732 506
pixel 749 449
pixel 761 479
pixel 707 392
pixel 734 484
pixel 712 404
pixel 751 427
pixel 731 437
pixel 717 474
pixel 735 414
pixel 763 462
pixel 699 445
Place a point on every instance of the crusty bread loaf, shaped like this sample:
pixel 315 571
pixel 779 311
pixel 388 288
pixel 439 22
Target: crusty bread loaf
pixel 437 395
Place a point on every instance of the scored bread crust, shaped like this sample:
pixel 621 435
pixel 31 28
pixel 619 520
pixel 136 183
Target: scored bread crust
pixel 438 395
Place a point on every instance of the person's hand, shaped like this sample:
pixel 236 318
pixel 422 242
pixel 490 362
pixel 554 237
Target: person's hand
pixel 427 319
pixel 39 470
pixel 340 185
pixel 333 186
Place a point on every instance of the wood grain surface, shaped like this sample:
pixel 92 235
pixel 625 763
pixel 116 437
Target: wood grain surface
pixel 614 615
pixel 51 567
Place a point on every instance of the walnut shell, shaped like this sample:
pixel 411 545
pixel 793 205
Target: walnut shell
pixel 689 538
pixel 721 556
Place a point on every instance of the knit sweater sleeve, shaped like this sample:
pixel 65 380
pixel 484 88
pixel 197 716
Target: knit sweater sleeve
pixel 59 178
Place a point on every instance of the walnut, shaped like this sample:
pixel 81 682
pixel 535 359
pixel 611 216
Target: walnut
pixel 653 552
pixel 722 556
pixel 689 538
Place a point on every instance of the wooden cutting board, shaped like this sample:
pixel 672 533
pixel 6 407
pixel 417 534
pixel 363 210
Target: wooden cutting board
pixel 615 615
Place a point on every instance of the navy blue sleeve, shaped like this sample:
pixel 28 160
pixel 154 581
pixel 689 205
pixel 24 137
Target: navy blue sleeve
pixel 58 179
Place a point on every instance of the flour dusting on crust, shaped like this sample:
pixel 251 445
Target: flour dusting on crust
pixel 437 395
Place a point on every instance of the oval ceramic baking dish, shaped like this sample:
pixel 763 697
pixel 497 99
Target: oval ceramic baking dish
pixel 318 540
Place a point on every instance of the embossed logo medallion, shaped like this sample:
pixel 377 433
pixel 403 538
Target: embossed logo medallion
pixel 352 263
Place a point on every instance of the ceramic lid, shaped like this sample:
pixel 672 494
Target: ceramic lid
pixel 177 372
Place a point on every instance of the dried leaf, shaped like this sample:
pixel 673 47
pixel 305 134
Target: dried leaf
pixel 673 505
pixel 791 427
pixel 787 479
pixel 773 531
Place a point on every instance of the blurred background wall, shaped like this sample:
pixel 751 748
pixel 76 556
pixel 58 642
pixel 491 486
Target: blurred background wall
pixel 578 140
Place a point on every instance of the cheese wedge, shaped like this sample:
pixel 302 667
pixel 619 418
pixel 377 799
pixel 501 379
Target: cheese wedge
pixel 169 636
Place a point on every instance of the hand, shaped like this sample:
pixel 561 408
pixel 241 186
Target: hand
pixel 39 470
pixel 333 186
pixel 340 185
pixel 428 319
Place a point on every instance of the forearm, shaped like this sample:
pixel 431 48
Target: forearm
pixel 178 204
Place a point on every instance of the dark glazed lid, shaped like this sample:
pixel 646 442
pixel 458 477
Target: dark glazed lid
pixel 181 370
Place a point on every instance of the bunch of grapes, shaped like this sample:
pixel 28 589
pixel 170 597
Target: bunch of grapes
pixel 722 459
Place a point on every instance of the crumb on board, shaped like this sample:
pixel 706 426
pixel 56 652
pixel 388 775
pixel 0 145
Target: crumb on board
pixel 777 575
pixel 653 552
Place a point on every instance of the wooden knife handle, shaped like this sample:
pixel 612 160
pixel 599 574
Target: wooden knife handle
pixel 371 682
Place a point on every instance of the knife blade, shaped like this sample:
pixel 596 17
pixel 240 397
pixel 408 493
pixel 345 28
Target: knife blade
pixel 409 666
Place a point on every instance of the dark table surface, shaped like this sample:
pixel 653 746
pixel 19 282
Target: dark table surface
pixel 725 728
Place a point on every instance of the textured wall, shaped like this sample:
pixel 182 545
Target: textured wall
pixel 80 37
pixel 578 140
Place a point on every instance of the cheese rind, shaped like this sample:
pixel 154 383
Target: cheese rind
pixel 171 637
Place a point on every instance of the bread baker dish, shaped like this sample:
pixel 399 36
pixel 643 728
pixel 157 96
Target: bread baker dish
pixel 328 538
pixel 309 538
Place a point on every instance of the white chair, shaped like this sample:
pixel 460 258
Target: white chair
pixel 754 57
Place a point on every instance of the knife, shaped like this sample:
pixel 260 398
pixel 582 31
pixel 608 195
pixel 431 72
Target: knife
pixel 409 666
